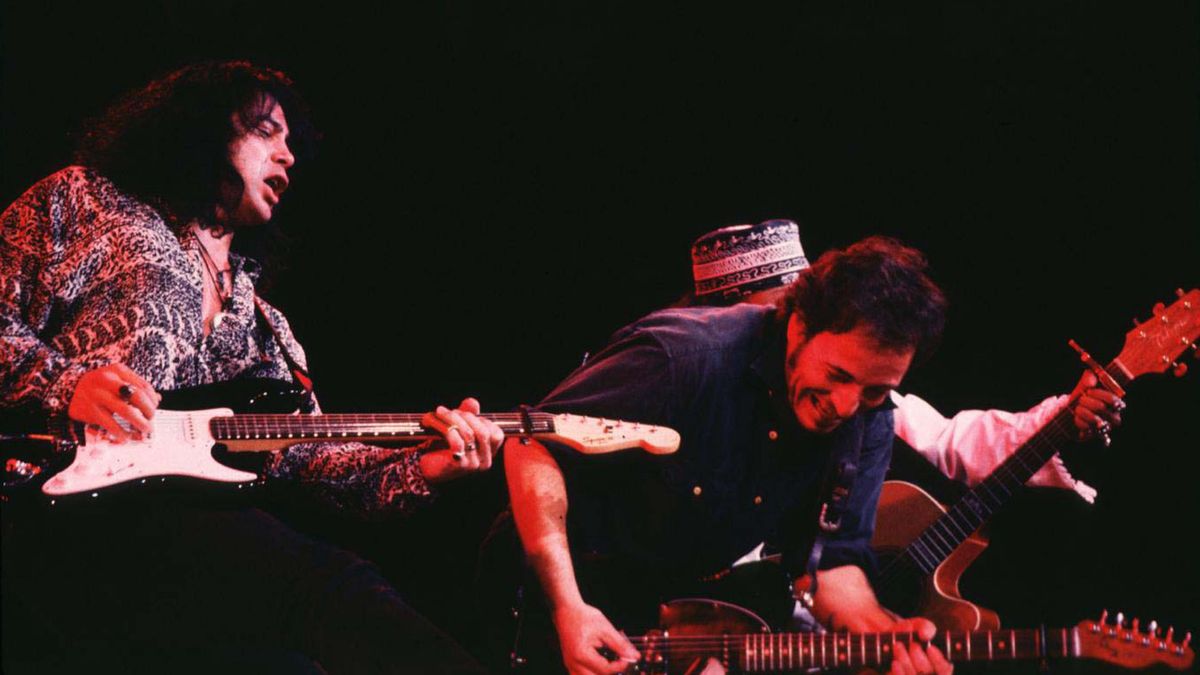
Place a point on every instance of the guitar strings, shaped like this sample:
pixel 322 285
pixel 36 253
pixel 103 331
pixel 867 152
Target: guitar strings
pixel 927 552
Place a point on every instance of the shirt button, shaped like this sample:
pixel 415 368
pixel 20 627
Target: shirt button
pixel 757 500
pixel 773 435
pixel 697 490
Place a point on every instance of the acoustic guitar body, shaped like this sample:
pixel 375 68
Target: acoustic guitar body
pixel 905 512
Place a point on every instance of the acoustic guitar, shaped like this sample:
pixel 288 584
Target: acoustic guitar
pixel 925 547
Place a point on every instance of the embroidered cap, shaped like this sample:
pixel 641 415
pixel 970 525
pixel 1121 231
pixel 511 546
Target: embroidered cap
pixel 738 260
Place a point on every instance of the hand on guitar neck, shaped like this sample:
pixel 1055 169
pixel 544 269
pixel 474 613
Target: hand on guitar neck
pixel 1096 409
pixel 845 601
pixel 471 442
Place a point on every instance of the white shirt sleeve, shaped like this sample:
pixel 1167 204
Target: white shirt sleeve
pixel 970 445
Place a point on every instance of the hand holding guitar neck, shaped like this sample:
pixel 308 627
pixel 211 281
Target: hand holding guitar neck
pixel 471 442
pixel 1096 409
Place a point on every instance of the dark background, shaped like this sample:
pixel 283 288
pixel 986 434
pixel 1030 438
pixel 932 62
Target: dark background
pixel 503 184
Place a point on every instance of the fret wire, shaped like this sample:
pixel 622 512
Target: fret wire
pixel 940 531
pixel 925 560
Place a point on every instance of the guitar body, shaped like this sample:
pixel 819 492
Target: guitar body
pixel 905 511
pixel 180 446
pixel 752 598
pixel 698 618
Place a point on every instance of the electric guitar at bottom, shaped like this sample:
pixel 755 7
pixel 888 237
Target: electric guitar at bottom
pixel 696 633
pixel 183 439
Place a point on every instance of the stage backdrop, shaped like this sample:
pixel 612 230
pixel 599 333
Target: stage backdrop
pixel 502 185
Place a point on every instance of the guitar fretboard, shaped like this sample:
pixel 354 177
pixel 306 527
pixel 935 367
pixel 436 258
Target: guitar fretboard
pixel 356 426
pixel 775 652
pixel 936 543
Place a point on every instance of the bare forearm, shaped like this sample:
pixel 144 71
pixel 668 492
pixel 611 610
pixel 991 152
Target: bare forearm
pixel 539 503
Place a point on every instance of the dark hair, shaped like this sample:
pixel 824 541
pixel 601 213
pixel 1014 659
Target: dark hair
pixel 168 142
pixel 878 283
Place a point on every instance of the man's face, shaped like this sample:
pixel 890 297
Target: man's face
pixel 830 376
pixel 261 157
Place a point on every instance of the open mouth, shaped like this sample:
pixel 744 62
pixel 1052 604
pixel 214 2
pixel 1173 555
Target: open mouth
pixel 277 184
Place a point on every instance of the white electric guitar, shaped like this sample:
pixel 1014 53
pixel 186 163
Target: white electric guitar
pixel 182 441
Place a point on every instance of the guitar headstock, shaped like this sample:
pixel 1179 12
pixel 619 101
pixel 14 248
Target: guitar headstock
pixel 1153 345
pixel 1131 647
pixel 597 435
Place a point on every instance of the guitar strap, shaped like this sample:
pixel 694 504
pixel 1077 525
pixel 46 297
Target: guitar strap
pixel 299 374
pixel 834 498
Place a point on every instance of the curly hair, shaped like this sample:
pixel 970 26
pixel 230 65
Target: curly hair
pixel 878 283
pixel 168 142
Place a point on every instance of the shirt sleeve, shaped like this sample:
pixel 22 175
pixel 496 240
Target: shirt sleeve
pixel 32 373
pixel 970 445
pixel 364 480
pixel 630 379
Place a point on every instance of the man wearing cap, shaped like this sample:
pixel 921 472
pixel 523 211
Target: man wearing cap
pixel 755 264
pixel 764 401
pixel 767 401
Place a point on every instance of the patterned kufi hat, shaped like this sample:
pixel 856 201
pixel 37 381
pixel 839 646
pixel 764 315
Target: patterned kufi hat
pixel 738 260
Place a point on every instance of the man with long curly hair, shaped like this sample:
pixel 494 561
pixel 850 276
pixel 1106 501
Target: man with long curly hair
pixel 119 281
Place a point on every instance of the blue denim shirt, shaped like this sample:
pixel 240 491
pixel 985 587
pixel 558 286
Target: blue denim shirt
pixel 746 471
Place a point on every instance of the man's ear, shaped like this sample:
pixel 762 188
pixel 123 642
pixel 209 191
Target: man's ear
pixel 795 326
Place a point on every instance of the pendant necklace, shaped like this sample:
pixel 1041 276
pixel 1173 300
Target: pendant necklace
pixel 217 277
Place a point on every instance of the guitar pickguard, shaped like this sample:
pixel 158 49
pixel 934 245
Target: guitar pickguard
pixel 181 446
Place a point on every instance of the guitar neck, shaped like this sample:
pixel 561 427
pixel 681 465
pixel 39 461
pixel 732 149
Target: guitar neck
pixel 250 432
pixel 936 543
pixel 776 652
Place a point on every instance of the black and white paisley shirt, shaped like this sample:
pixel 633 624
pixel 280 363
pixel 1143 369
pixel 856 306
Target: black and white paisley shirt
pixel 92 276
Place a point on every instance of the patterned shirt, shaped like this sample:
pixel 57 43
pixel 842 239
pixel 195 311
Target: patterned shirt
pixel 91 276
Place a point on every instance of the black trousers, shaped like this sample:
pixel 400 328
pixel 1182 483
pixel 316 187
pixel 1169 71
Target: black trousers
pixel 170 588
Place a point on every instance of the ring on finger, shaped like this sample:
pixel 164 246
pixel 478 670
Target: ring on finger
pixel 471 446
pixel 125 392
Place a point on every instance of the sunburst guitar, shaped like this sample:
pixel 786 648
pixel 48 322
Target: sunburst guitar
pixel 926 547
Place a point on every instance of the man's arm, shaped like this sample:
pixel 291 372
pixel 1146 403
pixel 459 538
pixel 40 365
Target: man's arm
pixel 34 373
pixel 845 601
pixel 970 445
pixel 539 505
pixel 844 598
pixel 31 371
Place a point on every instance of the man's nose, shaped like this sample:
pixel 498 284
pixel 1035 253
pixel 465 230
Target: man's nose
pixel 283 155
pixel 846 400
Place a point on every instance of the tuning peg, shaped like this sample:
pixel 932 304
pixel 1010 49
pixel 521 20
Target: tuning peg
pixel 1152 629
pixel 1170 634
pixel 1134 626
pixel 1120 619
pixel 1178 369
pixel 1103 616
pixel 1179 292
pixel 1186 639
